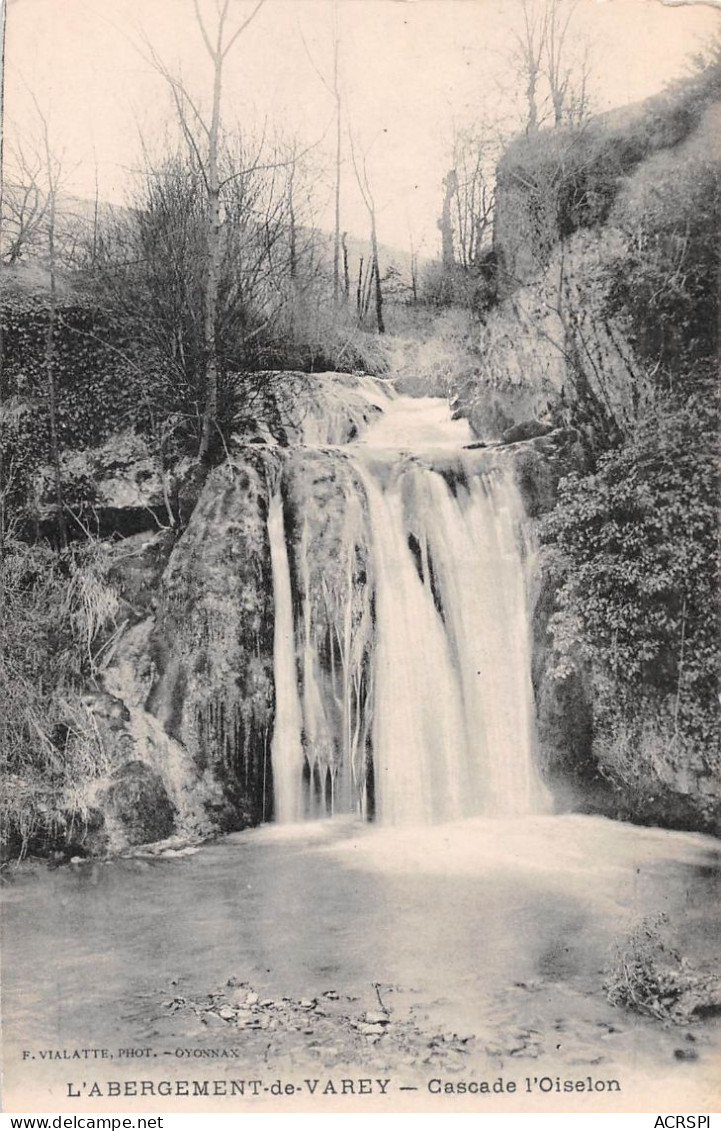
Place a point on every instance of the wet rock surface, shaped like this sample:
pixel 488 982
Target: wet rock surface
pixel 337 1030
pixel 138 800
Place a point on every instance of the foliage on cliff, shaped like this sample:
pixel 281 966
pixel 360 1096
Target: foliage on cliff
pixel 638 573
pixel 665 285
pixel 555 182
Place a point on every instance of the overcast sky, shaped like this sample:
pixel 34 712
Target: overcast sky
pixel 409 69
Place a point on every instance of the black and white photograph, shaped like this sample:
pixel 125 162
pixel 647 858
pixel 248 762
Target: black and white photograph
pixel 359 568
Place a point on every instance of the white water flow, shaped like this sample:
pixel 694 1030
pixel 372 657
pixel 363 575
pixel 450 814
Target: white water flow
pixel 474 546
pixel 286 750
pixel 419 742
pixel 453 730
pixel 451 718
pixel 454 723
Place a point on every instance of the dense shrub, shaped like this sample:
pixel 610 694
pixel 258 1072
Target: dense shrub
pixel 638 570
pixel 53 611
pixel 666 285
pixel 98 390
pixel 647 975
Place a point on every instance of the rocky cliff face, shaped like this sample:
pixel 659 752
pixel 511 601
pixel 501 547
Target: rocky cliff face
pixel 569 344
pixel 186 701
pixel 210 645
pixel 564 180
pixel 554 351
pixel 573 207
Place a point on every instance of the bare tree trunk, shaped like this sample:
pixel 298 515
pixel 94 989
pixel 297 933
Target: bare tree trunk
pixel 532 43
pixel 293 235
pixel 361 172
pixel 346 274
pixel 359 290
pixel 379 300
pixel 210 344
pixel 556 68
pixel 333 89
pixel 190 119
pixel 336 235
pixel 450 186
pixel 50 346
pixel 376 268
pixel 532 123
pixel 96 208
pixel 338 160
pixel 367 288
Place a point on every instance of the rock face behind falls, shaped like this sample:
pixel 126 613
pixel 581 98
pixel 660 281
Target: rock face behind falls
pixel 212 642
pixel 351 618
pixel 340 628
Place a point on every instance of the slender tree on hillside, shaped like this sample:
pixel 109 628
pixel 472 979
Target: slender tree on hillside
pixel 445 224
pixel 414 271
pixel 361 172
pixel 474 157
pixel 332 85
pixel 530 42
pixel 52 171
pixel 346 268
pixel 338 156
pixel 565 68
pixel 553 67
pixel 203 137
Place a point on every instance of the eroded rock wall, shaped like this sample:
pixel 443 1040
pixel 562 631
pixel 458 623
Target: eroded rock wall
pixel 186 709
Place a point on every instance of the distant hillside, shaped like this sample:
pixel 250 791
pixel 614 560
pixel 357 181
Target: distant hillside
pixel 77 216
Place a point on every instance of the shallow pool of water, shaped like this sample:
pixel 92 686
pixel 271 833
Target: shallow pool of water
pixel 487 927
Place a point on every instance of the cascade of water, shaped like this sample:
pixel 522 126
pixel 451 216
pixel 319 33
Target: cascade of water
pixel 447 710
pixel 418 727
pixel 286 747
pixel 315 724
pixel 479 572
pixel 453 726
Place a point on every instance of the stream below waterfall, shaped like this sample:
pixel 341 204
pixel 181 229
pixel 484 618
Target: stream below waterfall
pixel 476 922
pixel 487 939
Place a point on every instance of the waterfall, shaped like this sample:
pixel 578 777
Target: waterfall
pixel 453 730
pixel 286 748
pixel 418 727
pixel 439 636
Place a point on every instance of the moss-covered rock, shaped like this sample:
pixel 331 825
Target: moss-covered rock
pixel 315 409
pixel 137 801
pixel 657 775
pixel 211 644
